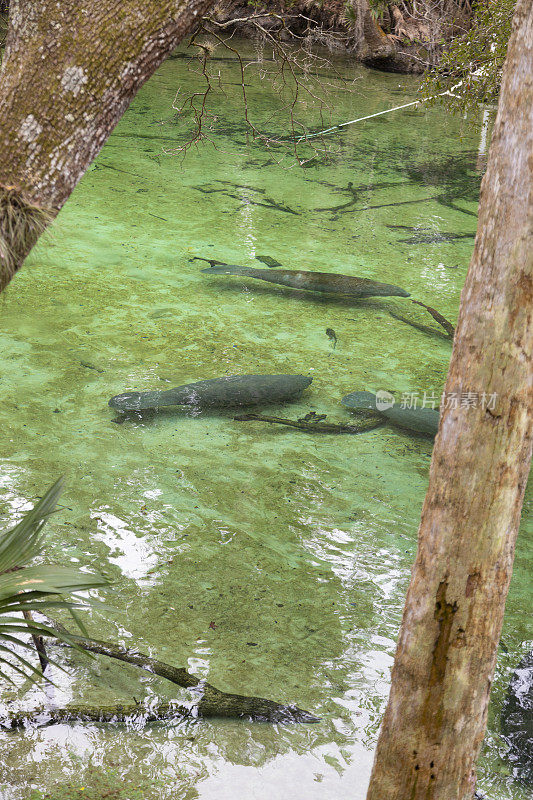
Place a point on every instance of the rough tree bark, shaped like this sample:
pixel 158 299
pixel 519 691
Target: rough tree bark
pixel 68 74
pixel 436 715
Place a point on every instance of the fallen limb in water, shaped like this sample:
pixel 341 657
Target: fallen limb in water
pixel 448 327
pixel 219 704
pixel 419 326
pixel 211 701
pixel 132 712
pixel 367 424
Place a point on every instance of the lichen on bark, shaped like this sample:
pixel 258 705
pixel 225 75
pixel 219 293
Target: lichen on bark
pixel 68 74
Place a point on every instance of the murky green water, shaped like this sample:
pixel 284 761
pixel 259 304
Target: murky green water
pixel 270 561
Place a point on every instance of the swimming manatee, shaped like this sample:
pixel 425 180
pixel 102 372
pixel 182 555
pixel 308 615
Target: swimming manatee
pixel 329 282
pixel 228 391
pixel 421 420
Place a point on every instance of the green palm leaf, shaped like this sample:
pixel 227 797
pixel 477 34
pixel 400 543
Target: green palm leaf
pixel 35 588
pixel 22 543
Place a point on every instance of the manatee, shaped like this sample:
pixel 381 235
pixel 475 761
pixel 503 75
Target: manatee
pixel 228 391
pixel 517 719
pixel 313 281
pixel 421 420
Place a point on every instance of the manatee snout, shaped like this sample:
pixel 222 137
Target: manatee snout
pixel 388 290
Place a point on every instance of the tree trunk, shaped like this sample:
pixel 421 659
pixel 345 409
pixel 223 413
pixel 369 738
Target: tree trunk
pixel 375 47
pixel 69 72
pixel 436 715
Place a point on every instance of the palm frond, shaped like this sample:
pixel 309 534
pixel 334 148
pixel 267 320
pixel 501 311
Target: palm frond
pixel 22 543
pixel 47 580
pixel 26 588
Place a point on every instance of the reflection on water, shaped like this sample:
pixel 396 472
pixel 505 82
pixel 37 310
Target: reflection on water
pixel 269 561
pixel 133 555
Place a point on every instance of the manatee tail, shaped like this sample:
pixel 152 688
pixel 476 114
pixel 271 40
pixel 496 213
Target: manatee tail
pixel 226 269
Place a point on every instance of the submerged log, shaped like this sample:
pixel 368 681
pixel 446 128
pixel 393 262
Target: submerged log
pixel 366 424
pixel 448 327
pixel 418 326
pixel 211 701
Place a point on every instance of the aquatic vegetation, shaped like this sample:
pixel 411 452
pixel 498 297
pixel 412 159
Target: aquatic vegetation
pixel 97 783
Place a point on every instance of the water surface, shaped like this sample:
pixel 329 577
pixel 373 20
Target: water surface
pixel 270 561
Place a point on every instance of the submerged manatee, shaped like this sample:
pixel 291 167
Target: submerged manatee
pixel 314 281
pixel 231 390
pixel 421 420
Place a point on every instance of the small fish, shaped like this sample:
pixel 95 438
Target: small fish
pixel 448 327
pixel 332 335
pixel 418 326
pixel 88 365
pixel 161 312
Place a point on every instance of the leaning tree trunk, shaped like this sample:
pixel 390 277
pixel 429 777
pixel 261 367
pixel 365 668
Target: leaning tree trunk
pixel 69 72
pixel 436 715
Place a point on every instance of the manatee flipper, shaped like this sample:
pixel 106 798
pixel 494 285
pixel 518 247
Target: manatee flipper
pixel 269 261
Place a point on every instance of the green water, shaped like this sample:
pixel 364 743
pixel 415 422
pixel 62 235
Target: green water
pixel 270 561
